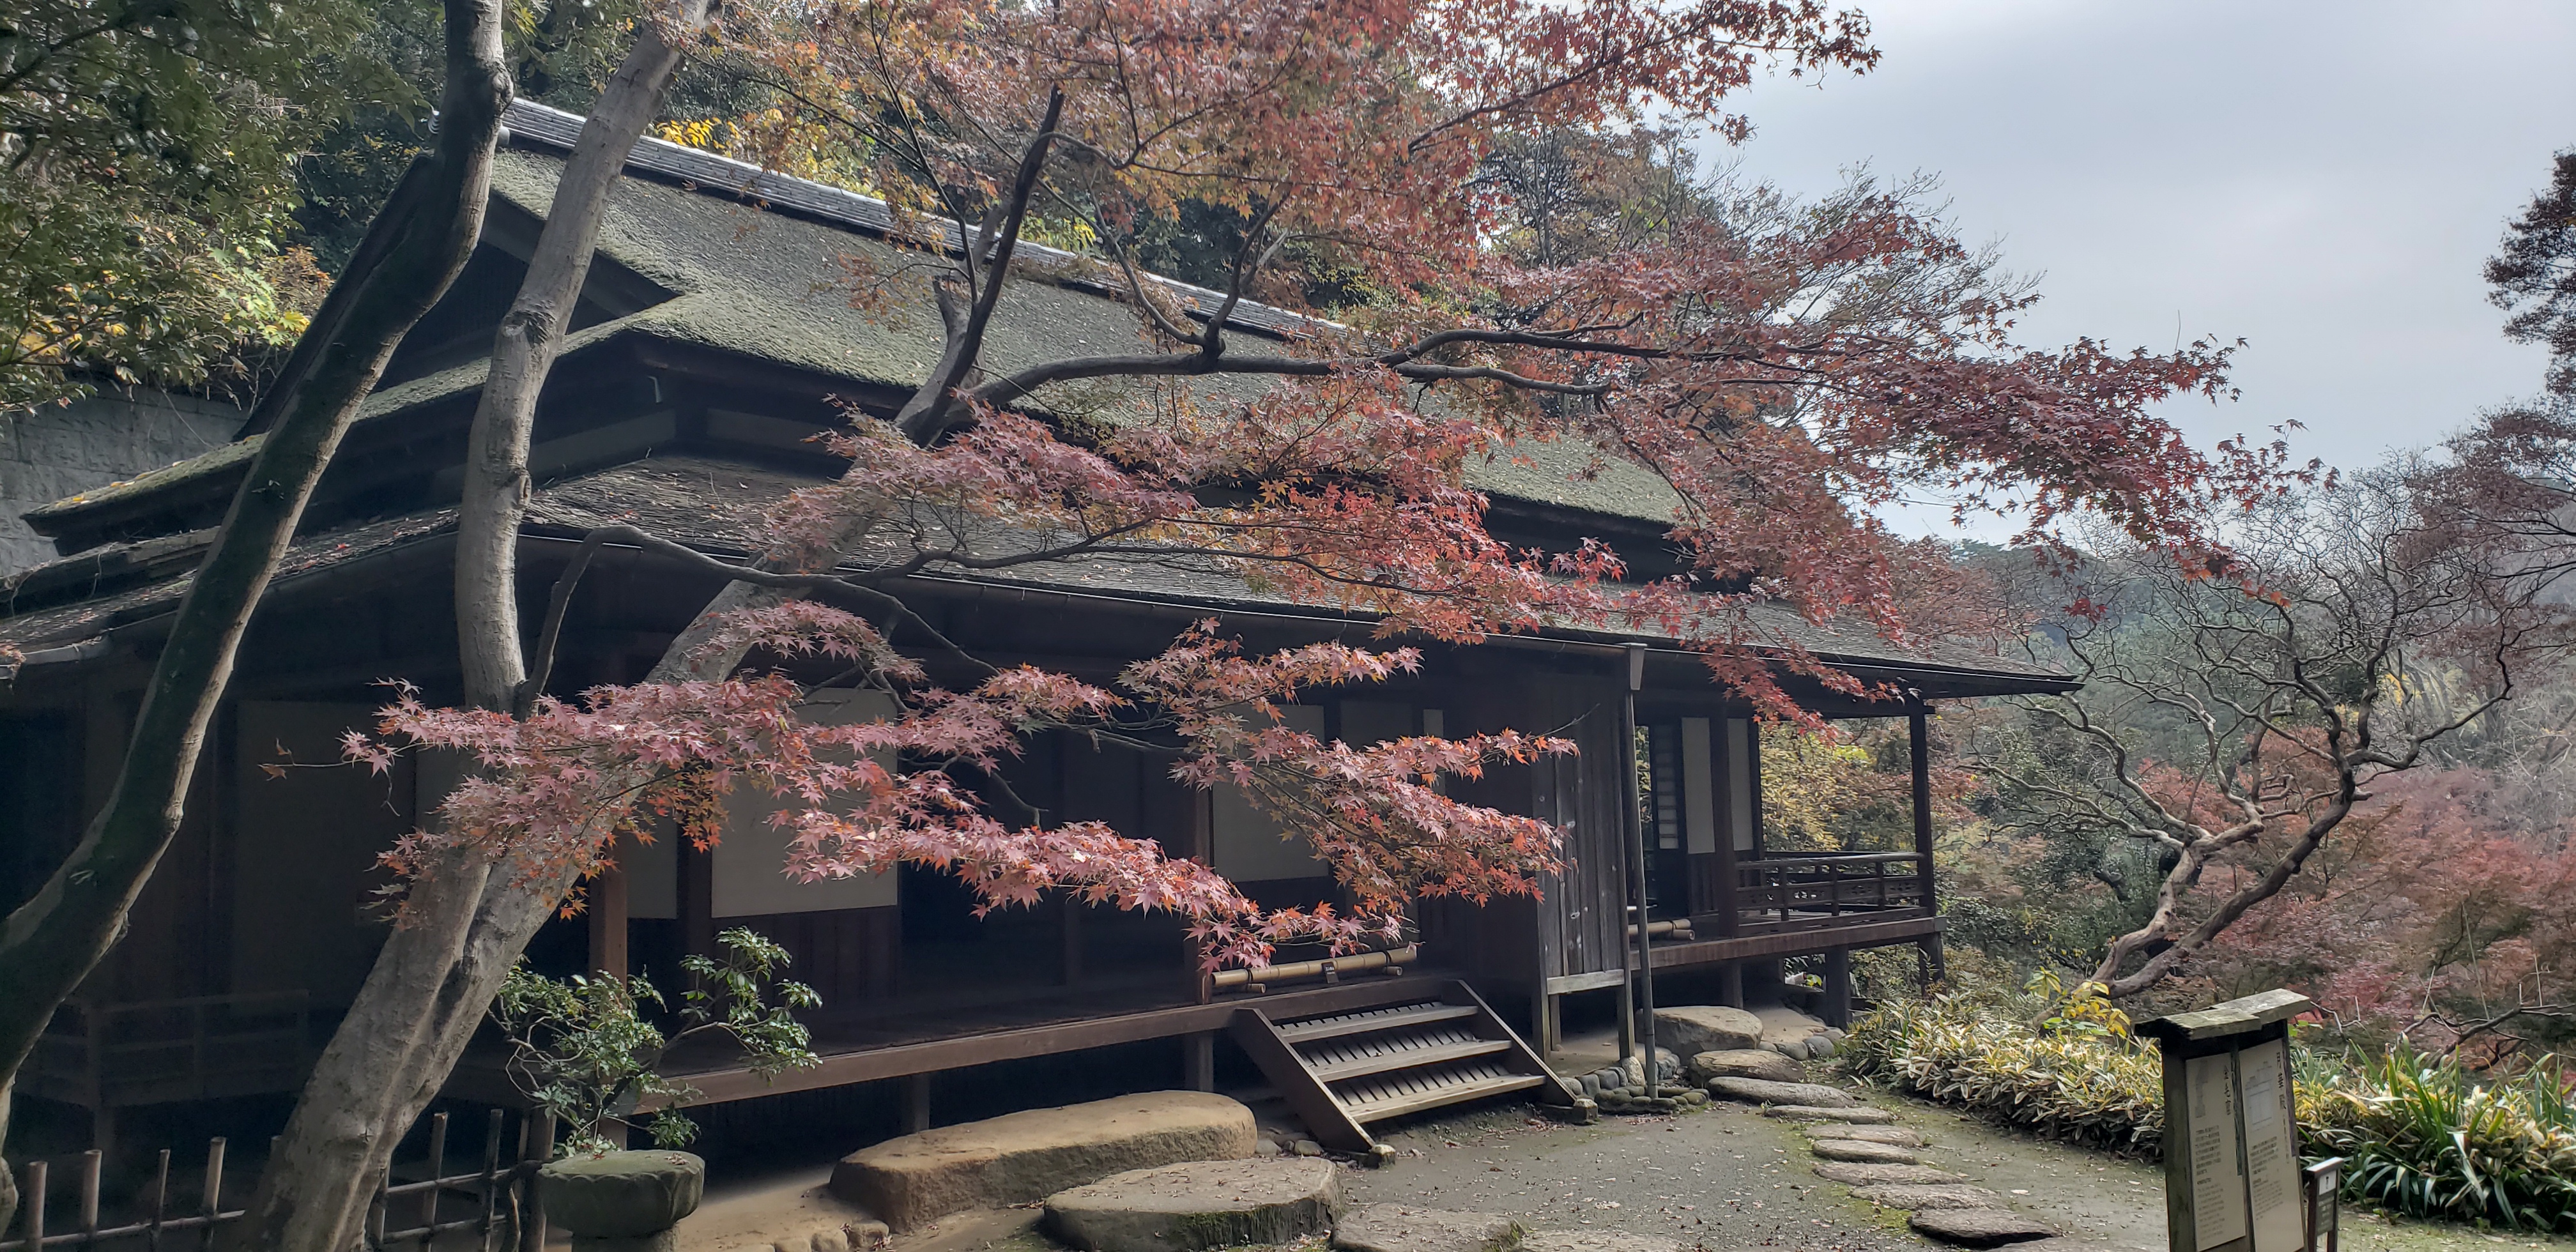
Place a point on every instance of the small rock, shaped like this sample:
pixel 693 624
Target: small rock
pixel 1898 1135
pixel 1759 1063
pixel 1819 1048
pixel 868 1234
pixel 1692 1096
pixel 1307 1147
pixel 1757 1091
pixel 1611 1077
pixel 1632 1069
pixel 1266 1147
pixel 1914 1196
pixel 1199 1204
pixel 1696 1028
pixel 1405 1228
pixel 1850 1174
pixel 1595 1241
pixel 829 1239
pixel 1979 1228
pixel 1810 1113
pixel 1592 1086
pixel 1867 1153
pixel 1837 1034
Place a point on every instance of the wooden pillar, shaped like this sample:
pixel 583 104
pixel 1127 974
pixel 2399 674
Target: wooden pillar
pixel 1198 1060
pixel 1838 988
pixel 916 1103
pixel 608 923
pixel 1202 982
pixel 1730 984
pixel 697 900
pixel 1069 939
pixel 1919 748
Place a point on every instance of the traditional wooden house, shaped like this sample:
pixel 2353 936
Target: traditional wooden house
pixel 707 350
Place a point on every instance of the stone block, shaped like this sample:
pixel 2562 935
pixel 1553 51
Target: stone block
pixel 1867 1153
pixel 1979 1228
pixel 1914 1196
pixel 1807 1094
pixel 1811 1113
pixel 1851 1174
pixel 1898 1135
pixel 1200 1204
pixel 1020 1157
pixel 1695 1028
pixel 1758 1063
pixel 1596 1241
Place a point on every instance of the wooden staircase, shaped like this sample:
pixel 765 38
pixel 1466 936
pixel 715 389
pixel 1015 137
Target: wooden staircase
pixel 1342 1071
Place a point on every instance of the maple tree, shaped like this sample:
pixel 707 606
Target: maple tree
pixel 2235 716
pixel 1785 368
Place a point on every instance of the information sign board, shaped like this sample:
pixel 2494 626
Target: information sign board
pixel 2232 1180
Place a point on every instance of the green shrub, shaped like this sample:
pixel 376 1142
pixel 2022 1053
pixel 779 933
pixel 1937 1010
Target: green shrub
pixel 2078 1077
pixel 2418 1138
pixel 2425 1139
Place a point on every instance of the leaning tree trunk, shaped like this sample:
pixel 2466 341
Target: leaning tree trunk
pixel 468 919
pixel 413 251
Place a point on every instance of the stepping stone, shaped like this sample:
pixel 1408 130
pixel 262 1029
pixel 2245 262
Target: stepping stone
pixel 1200 1204
pixel 1784 1028
pixel 1405 1228
pixel 1979 1228
pixel 1804 1094
pixel 1864 1152
pixel 1853 1174
pixel 1898 1135
pixel 1596 1241
pixel 1691 1029
pixel 1810 1113
pixel 1020 1157
pixel 1910 1197
pixel 1759 1063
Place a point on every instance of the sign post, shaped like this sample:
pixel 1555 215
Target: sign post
pixel 2232 1176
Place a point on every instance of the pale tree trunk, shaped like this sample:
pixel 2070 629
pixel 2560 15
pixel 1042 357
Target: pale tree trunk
pixel 469 919
pixel 410 255
pixel 2186 873
pixel 431 986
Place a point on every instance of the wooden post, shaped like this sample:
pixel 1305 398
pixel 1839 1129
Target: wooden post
pixel 1198 1061
pixel 697 900
pixel 1730 984
pixel 608 923
pixel 2231 1127
pixel 916 1103
pixel 1919 749
pixel 1838 987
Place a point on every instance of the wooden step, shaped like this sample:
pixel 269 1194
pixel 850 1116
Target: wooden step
pixel 1375 1019
pixel 1432 1096
pixel 1409 1058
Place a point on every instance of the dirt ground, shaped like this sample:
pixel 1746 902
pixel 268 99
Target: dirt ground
pixel 1724 1178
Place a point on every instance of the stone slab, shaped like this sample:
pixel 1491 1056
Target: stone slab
pixel 1596 1241
pixel 1200 1204
pixel 1691 1029
pixel 1804 1094
pixel 1759 1063
pixel 1810 1113
pixel 1865 1152
pixel 1407 1228
pixel 1979 1228
pixel 1852 1174
pixel 1898 1135
pixel 1939 1195
pixel 1020 1157
pixel 1784 1025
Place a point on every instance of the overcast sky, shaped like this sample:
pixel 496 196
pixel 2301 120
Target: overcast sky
pixel 2322 179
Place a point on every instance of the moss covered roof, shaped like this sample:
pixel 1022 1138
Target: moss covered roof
pixel 776 286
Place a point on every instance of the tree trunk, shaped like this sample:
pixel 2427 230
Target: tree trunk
pixel 411 254
pixel 2187 871
pixel 469 919
pixel 523 353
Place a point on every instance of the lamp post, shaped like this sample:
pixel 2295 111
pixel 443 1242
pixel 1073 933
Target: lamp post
pixel 1636 818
